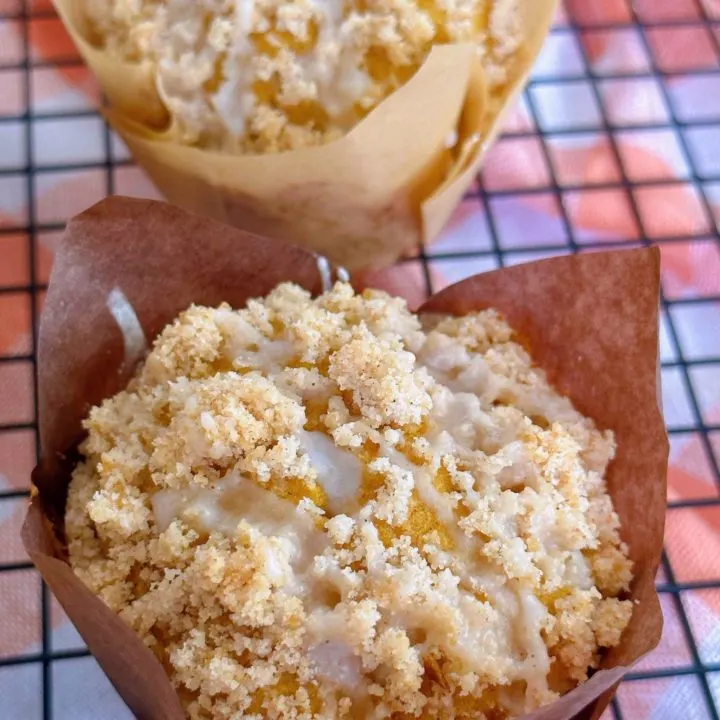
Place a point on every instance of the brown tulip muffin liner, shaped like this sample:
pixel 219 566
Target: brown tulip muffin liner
pixel 126 268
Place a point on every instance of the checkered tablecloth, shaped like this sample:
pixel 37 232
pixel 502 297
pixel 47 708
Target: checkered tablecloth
pixel 615 143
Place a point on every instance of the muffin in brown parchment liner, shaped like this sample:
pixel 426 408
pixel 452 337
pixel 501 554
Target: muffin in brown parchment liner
pixel 363 200
pixel 126 268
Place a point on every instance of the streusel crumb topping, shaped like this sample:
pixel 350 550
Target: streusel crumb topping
pixel 273 75
pixel 328 508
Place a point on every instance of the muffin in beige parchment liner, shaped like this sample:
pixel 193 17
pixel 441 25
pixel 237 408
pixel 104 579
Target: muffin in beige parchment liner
pixel 362 200
pixel 591 321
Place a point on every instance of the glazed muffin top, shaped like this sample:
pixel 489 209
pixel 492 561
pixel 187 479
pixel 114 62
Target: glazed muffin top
pixel 271 75
pixel 328 507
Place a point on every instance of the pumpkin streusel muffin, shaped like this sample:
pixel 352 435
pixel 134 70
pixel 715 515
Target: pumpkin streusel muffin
pixel 331 508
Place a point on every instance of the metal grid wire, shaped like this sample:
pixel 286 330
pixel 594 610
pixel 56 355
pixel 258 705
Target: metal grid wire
pixel 593 82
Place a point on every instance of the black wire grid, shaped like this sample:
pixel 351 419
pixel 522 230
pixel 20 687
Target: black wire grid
pixel 47 666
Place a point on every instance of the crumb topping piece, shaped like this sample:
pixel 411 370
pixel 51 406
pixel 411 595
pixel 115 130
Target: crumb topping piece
pixel 273 75
pixel 324 508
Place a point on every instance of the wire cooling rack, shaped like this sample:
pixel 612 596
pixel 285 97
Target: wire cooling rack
pixel 597 169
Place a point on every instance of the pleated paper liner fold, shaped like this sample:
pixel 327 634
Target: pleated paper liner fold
pixel 126 268
pixel 363 200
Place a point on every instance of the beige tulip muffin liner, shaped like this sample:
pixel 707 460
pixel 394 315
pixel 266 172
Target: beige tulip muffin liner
pixel 362 200
pixel 591 321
